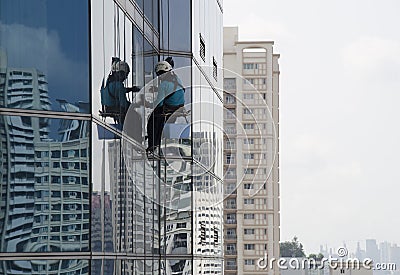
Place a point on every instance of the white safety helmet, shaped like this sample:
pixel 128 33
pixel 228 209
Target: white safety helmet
pixel 162 67
pixel 120 66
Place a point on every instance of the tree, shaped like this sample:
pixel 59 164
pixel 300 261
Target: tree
pixel 316 257
pixel 292 248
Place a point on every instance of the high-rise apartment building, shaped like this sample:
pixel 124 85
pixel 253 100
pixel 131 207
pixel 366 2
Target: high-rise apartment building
pixel 251 153
pixel 78 193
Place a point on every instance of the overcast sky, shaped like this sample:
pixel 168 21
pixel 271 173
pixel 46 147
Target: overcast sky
pixel 340 112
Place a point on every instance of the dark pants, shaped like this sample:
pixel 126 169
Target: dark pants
pixel 156 122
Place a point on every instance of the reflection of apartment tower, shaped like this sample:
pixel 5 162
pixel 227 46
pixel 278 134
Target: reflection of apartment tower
pixel 134 204
pixel 251 153
pixel 22 88
pixel 96 236
pixel 38 214
pixel 62 195
pixel 207 226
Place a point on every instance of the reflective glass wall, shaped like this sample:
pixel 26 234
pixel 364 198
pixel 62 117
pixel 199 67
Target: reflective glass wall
pixel 79 193
pixel 45 52
pixel 45 133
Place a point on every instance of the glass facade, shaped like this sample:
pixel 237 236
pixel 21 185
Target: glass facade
pixel 79 193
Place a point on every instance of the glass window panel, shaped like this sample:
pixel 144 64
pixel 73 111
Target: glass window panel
pixel 139 3
pixel 148 10
pixel 46 206
pixel 45 54
pixel 155 14
pixel 39 266
pixel 138 64
pixel 179 21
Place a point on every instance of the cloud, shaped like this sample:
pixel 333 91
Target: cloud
pixel 372 57
pixel 28 47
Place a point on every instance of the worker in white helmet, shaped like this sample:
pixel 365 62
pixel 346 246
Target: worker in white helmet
pixel 170 98
pixel 113 94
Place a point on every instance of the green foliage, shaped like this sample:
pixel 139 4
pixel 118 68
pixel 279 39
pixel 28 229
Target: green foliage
pixel 292 248
pixel 316 257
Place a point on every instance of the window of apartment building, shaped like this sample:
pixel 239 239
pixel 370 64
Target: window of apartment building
pixel 231 232
pixel 229 159
pixel 230 247
pixel 229 99
pixel 248 96
pixel 263 81
pixel 248 201
pixel 181 225
pixel 249 171
pixel 231 263
pixel 249 246
pixel 248 141
pixel 249 231
pixel 248 186
pixel 230 113
pixel 230 84
pixel 230 144
pixel 230 128
pixel 248 156
pixel 230 173
pixel 249 216
pixel 248 126
pixel 250 66
pixel 248 81
pixel 230 203
pixel 249 262
pixel 247 111
pixel 230 188
pixel 231 218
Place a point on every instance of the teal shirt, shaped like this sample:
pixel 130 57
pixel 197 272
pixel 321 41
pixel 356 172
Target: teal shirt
pixel 113 95
pixel 165 89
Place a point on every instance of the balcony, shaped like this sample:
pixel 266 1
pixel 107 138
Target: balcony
pixel 231 237
pixel 231 252
pixel 231 267
pixel 230 221
pixel 229 192
pixel 230 206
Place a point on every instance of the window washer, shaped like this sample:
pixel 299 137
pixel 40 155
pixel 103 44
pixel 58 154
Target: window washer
pixel 113 94
pixel 170 98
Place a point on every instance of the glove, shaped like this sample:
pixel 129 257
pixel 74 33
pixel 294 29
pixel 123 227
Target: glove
pixel 134 89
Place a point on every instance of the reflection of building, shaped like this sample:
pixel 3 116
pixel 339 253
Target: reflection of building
pixel 251 153
pixel 144 216
pixel 45 191
pixel 22 88
pixel 96 240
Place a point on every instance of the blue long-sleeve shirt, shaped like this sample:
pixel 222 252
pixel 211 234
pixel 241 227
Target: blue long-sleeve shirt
pixel 113 95
pixel 167 88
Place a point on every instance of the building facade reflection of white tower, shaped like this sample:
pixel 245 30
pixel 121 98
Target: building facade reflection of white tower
pixel 44 180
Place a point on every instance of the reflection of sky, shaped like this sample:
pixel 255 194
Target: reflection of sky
pixel 37 35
